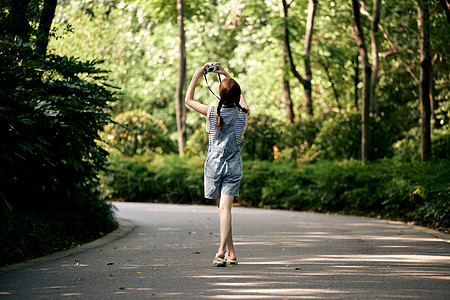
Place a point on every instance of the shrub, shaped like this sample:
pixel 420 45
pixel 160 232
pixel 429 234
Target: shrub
pixel 167 178
pixel 407 148
pixel 340 138
pixel 52 110
pixel 389 188
pixel 263 132
pixel 136 132
pixel 297 138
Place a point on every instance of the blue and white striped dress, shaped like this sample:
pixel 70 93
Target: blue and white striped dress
pixel 227 114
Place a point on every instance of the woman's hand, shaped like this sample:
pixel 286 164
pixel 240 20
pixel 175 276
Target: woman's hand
pixel 221 70
pixel 199 72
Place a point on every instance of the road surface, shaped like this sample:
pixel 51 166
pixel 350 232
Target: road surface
pixel 282 255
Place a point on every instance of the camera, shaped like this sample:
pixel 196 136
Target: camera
pixel 210 67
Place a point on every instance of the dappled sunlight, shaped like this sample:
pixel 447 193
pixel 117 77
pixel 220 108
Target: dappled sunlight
pixel 381 258
pixel 277 293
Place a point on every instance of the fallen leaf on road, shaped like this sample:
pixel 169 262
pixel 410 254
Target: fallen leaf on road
pixel 153 294
pixel 79 279
pixel 298 268
pixel 115 248
pixel 196 252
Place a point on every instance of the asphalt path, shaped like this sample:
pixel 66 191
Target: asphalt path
pixel 282 255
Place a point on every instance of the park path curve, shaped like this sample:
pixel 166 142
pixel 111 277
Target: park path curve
pixel 282 255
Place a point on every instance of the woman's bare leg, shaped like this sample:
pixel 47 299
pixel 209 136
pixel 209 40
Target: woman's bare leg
pixel 226 237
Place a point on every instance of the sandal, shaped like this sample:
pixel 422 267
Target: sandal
pixel 219 262
pixel 232 261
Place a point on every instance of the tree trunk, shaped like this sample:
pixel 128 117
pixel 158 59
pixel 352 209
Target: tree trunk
pixel 375 60
pixel 446 6
pixel 286 98
pixel 359 38
pixel 425 80
pixel 180 107
pixel 356 80
pixel 306 53
pixel 306 82
pixel 17 22
pixel 45 23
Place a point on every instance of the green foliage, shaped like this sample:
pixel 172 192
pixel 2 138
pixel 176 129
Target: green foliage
pixel 340 137
pixel 52 109
pixel 262 134
pixel 415 192
pixel 137 133
pixel 169 179
pixel 408 148
pixel 299 137
pixel 27 235
pixel 51 113
pixel 197 143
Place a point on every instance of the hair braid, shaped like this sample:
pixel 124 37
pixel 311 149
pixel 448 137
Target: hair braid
pixel 243 109
pixel 219 119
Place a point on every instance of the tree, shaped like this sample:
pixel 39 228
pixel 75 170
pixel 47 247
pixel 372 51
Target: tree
pixel 375 22
pixel 45 23
pixel 180 107
pixel 374 49
pixel 359 39
pixel 286 98
pixel 424 79
pixel 305 81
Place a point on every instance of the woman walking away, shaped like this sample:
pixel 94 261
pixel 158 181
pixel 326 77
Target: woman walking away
pixel 225 124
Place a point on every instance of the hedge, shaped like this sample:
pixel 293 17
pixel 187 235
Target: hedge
pixel 408 191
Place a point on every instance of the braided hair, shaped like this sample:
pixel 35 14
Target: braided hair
pixel 230 94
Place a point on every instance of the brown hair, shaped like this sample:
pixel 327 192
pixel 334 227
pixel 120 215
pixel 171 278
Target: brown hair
pixel 230 94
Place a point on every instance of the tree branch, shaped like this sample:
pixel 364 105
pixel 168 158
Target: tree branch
pixel 397 53
pixel 288 45
pixel 446 6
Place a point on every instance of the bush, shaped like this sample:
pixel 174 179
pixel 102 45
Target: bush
pixel 168 178
pixel 136 132
pixel 407 149
pixel 298 138
pixel 263 132
pixel 340 138
pixel 388 188
pixel 52 110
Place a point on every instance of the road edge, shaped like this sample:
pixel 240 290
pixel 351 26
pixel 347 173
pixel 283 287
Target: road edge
pixel 124 227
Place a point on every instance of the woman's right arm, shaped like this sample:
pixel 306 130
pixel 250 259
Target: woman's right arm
pixel 189 99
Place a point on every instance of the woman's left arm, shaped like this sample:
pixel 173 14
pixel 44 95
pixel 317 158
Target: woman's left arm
pixel 201 108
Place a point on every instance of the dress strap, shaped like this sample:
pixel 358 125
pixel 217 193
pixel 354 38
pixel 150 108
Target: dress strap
pixel 235 117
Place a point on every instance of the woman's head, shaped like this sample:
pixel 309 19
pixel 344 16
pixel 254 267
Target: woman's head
pixel 230 95
pixel 230 92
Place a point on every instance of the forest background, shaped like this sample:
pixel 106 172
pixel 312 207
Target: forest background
pixel 311 71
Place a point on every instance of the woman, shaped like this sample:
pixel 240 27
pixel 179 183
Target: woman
pixel 226 124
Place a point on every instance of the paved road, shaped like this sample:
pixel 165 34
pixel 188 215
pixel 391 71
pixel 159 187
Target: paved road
pixel 284 255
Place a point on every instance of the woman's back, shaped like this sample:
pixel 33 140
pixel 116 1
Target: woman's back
pixel 227 114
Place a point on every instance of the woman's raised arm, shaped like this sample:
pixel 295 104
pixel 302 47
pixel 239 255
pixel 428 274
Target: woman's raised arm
pixel 201 108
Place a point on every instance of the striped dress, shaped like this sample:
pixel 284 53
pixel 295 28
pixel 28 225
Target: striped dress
pixel 227 114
